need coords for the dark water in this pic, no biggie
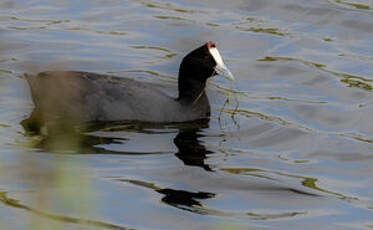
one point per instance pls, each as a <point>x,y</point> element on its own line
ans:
<point>297,154</point>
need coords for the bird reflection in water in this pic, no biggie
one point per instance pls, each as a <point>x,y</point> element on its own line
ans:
<point>190,151</point>
<point>64,137</point>
<point>181,199</point>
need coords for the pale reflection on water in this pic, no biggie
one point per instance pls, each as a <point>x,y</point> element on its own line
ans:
<point>297,154</point>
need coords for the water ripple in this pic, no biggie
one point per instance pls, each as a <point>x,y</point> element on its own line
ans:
<point>308,182</point>
<point>189,201</point>
<point>4,199</point>
<point>360,82</point>
<point>351,4</point>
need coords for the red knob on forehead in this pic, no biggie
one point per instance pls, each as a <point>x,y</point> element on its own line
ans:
<point>210,44</point>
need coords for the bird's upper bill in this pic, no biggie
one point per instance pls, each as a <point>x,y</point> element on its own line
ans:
<point>220,67</point>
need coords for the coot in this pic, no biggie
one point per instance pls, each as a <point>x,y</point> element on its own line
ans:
<point>87,97</point>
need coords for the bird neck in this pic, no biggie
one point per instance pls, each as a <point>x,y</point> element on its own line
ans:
<point>190,90</point>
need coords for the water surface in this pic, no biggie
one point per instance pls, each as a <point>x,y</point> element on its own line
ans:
<point>297,153</point>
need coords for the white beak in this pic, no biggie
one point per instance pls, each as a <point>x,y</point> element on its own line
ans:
<point>220,67</point>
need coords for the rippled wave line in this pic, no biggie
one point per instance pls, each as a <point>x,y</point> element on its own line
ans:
<point>172,18</point>
<point>365,104</point>
<point>5,71</point>
<point>2,60</point>
<point>224,90</point>
<point>191,204</point>
<point>268,30</point>
<point>166,6</point>
<point>281,121</point>
<point>284,158</point>
<point>308,182</point>
<point>47,21</point>
<point>43,23</point>
<point>169,54</point>
<point>355,56</point>
<point>349,4</point>
<point>350,79</point>
<point>66,219</point>
<point>97,31</point>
